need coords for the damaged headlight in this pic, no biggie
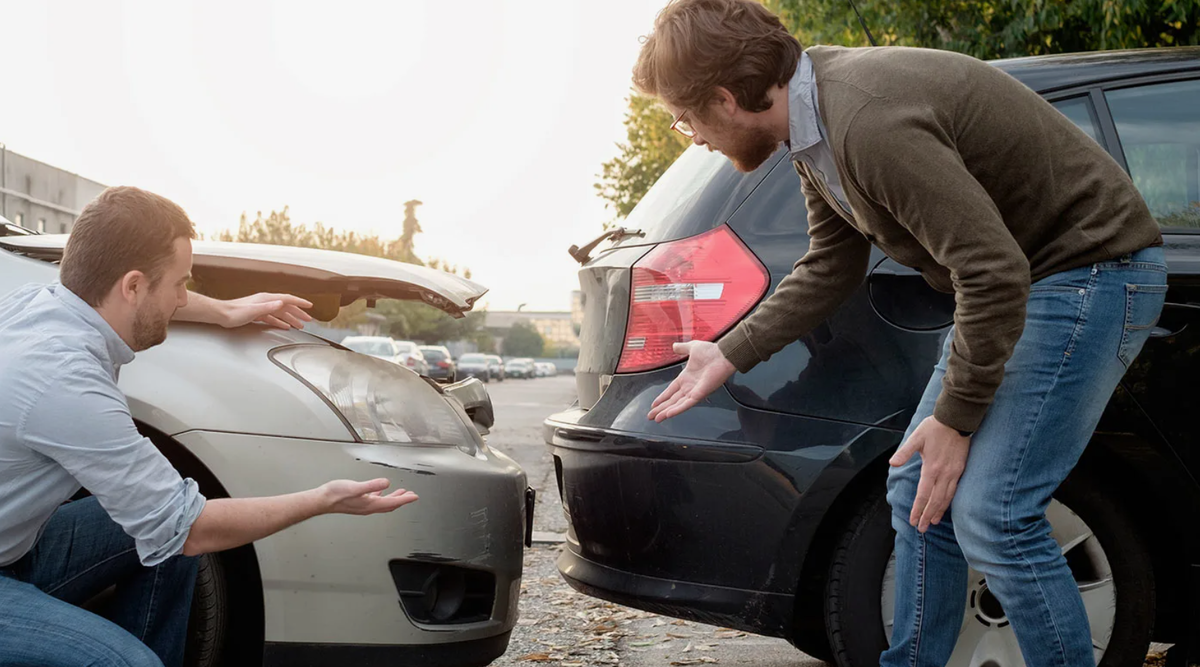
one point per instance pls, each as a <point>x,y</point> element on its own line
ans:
<point>379,400</point>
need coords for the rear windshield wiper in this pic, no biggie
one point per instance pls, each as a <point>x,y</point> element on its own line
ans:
<point>584,255</point>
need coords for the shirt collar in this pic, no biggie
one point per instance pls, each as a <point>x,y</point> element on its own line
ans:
<point>803,122</point>
<point>119,352</point>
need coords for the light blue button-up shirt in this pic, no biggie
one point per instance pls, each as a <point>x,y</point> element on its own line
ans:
<point>808,140</point>
<point>64,423</point>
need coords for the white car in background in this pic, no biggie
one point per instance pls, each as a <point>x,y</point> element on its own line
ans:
<point>256,411</point>
<point>412,357</point>
<point>546,369</point>
<point>403,352</point>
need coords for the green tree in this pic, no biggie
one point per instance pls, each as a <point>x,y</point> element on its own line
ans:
<point>996,28</point>
<point>650,148</point>
<point>981,28</point>
<point>523,340</point>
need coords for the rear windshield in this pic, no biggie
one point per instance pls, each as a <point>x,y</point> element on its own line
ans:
<point>473,359</point>
<point>405,348</point>
<point>372,347</point>
<point>433,354</point>
<point>698,192</point>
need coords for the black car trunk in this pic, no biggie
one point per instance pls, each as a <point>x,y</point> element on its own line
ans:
<point>698,193</point>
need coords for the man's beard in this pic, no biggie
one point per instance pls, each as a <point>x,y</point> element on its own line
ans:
<point>749,147</point>
<point>149,328</point>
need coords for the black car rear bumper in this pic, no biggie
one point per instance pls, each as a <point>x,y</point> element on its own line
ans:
<point>753,611</point>
<point>692,517</point>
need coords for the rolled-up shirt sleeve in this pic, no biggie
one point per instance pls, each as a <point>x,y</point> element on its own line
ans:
<point>82,421</point>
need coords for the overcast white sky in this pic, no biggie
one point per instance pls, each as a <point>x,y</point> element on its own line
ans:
<point>495,113</point>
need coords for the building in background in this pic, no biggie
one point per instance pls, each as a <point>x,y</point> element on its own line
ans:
<point>556,327</point>
<point>40,197</point>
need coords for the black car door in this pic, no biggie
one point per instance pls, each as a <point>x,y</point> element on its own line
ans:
<point>1157,126</point>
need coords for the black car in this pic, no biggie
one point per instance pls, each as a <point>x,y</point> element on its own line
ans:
<point>762,508</point>
<point>441,363</point>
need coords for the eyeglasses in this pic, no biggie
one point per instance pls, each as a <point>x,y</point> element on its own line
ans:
<point>682,126</point>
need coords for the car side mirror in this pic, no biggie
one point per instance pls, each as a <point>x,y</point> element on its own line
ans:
<point>475,401</point>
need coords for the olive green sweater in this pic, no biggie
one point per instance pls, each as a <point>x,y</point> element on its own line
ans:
<point>956,169</point>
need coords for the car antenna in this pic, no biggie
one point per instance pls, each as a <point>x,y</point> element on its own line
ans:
<point>870,37</point>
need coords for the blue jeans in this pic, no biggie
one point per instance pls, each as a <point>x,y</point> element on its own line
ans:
<point>1082,330</point>
<point>82,553</point>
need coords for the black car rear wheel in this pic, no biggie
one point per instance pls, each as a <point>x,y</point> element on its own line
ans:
<point>1102,546</point>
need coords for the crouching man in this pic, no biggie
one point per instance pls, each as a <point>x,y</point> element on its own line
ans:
<point>65,424</point>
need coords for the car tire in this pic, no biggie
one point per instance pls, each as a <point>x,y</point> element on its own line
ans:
<point>853,606</point>
<point>210,614</point>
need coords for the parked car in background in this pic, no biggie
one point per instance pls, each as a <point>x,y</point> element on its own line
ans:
<point>519,368</point>
<point>496,366</point>
<point>404,353</point>
<point>411,357</point>
<point>546,369</point>
<point>258,411</point>
<point>474,365</point>
<point>763,508</point>
<point>441,363</point>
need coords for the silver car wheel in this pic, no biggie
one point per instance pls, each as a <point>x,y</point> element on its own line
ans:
<point>986,638</point>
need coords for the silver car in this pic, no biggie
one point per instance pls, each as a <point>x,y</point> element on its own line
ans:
<point>403,352</point>
<point>411,356</point>
<point>257,411</point>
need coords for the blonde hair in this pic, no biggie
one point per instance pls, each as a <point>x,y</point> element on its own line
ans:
<point>699,45</point>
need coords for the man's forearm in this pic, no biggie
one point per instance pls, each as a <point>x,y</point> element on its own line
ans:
<point>203,309</point>
<point>226,523</point>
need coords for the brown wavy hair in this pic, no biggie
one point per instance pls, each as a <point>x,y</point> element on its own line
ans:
<point>124,229</point>
<point>698,45</point>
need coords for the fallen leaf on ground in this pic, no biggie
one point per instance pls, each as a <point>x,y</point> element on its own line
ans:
<point>535,657</point>
<point>604,626</point>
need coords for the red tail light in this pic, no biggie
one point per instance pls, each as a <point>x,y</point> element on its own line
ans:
<point>693,289</point>
<point>411,361</point>
<point>443,364</point>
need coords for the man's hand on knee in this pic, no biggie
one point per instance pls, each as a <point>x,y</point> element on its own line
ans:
<point>943,458</point>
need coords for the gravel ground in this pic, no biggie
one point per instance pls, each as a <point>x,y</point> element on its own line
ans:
<point>559,626</point>
<point>562,628</point>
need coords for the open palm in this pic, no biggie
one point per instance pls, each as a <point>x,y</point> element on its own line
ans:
<point>707,368</point>
<point>362,498</point>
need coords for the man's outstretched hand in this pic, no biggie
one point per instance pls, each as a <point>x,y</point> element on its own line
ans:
<point>362,498</point>
<point>707,368</point>
<point>283,311</point>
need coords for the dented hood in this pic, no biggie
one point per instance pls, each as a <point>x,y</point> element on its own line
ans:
<point>328,278</point>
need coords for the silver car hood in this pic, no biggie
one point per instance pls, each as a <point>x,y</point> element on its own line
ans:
<point>328,278</point>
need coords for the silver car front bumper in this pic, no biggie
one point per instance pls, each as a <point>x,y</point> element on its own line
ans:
<point>336,580</point>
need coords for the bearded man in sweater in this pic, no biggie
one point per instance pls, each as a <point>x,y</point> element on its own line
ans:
<point>954,168</point>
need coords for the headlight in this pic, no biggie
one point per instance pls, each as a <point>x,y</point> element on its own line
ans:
<point>379,400</point>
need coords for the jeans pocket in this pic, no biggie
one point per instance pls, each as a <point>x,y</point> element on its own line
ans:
<point>1143,306</point>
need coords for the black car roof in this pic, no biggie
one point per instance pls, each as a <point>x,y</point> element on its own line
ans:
<point>1069,70</point>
